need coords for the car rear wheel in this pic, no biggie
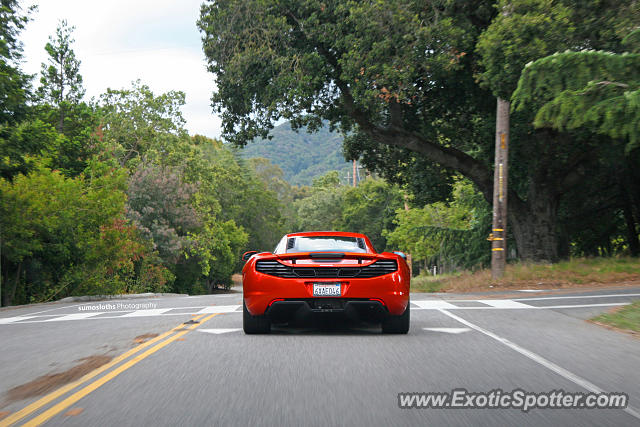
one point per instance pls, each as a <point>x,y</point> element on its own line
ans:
<point>397,324</point>
<point>254,324</point>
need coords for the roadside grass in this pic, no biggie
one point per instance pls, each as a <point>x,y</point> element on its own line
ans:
<point>627,317</point>
<point>573,273</point>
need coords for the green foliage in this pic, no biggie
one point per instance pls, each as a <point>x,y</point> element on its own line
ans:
<point>14,84</point>
<point>276,60</point>
<point>133,119</point>
<point>522,31</point>
<point>67,234</point>
<point>598,90</point>
<point>132,205</point>
<point>412,88</point>
<point>115,196</point>
<point>370,208</point>
<point>451,233</point>
<point>240,195</point>
<point>322,209</point>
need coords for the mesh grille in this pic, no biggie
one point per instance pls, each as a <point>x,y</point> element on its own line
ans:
<point>378,268</point>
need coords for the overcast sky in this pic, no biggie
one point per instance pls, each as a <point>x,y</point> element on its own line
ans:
<point>119,41</point>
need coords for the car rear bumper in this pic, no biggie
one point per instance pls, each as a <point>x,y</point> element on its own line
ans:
<point>265,294</point>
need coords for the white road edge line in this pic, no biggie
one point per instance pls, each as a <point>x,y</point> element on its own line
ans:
<point>540,360</point>
<point>523,307</point>
<point>587,305</point>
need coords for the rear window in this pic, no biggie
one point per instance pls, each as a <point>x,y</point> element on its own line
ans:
<point>326,243</point>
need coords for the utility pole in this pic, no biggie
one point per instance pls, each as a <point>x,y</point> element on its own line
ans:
<point>498,237</point>
<point>409,259</point>
<point>1,265</point>
<point>355,171</point>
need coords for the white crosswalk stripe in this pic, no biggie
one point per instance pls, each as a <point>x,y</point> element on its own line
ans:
<point>8,320</point>
<point>218,309</point>
<point>75,316</point>
<point>427,304</point>
<point>149,312</point>
<point>504,303</point>
<point>434,304</point>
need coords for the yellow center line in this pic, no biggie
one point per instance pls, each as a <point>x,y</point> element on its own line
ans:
<point>49,413</point>
<point>65,389</point>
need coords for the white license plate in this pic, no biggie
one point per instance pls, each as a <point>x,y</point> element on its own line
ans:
<point>326,290</point>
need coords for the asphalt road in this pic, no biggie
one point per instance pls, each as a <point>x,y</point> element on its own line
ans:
<point>210,373</point>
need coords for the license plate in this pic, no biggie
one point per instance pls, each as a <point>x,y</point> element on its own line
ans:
<point>326,290</point>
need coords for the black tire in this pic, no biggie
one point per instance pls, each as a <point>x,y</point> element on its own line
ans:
<point>254,324</point>
<point>397,324</point>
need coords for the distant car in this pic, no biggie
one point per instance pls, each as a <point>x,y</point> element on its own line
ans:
<point>325,274</point>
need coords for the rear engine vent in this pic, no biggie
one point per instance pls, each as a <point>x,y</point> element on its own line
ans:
<point>361,244</point>
<point>378,268</point>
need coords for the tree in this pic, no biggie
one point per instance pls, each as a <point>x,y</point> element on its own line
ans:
<point>594,89</point>
<point>322,209</point>
<point>15,88</point>
<point>63,235</point>
<point>556,162</point>
<point>134,119</point>
<point>402,74</point>
<point>14,84</point>
<point>159,204</point>
<point>370,208</point>
<point>183,223</point>
<point>390,71</point>
<point>450,235</point>
<point>60,81</point>
<point>598,91</point>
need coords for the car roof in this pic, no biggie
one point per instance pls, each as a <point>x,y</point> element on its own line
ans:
<point>326,233</point>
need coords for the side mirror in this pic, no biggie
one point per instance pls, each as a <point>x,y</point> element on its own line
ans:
<point>247,255</point>
<point>402,254</point>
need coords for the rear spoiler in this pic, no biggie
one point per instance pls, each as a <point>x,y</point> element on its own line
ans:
<point>327,255</point>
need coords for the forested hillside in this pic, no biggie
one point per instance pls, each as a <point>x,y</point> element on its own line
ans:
<point>302,156</point>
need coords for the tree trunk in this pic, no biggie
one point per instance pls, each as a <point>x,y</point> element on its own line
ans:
<point>61,121</point>
<point>9,294</point>
<point>534,225</point>
<point>632,233</point>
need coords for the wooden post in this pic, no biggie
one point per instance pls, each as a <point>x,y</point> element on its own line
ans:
<point>354,173</point>
<point>499,233</point>
<point>409,259</point>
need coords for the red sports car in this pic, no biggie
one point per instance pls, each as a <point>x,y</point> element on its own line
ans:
<point>325,273</point>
